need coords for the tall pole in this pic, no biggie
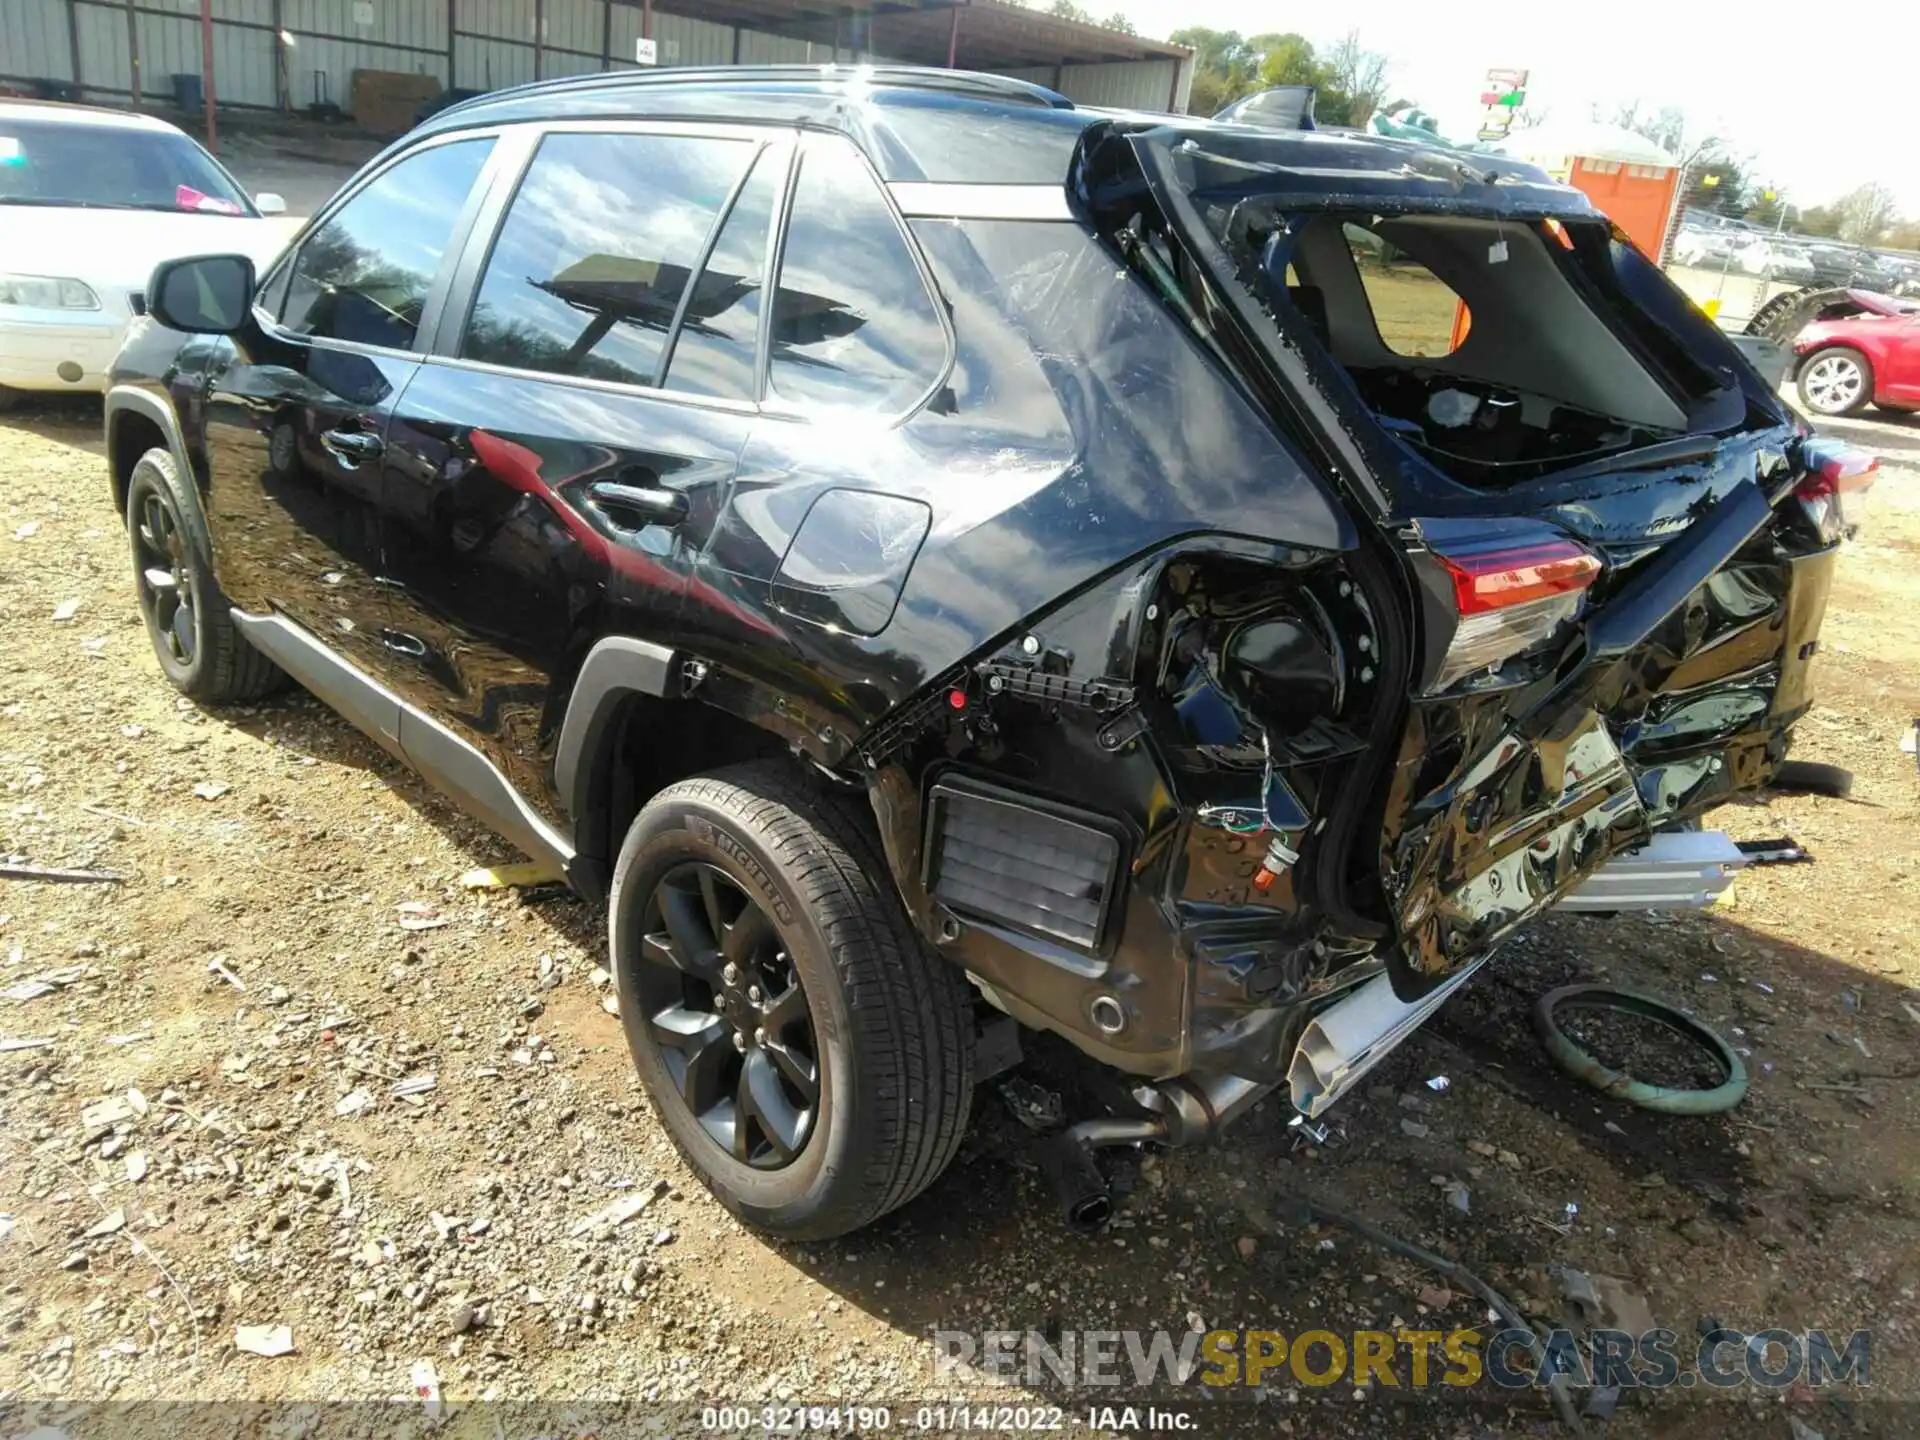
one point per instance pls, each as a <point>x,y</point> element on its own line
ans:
<point>206,72</point>
<point>133,53</point>
<point>953,37</point>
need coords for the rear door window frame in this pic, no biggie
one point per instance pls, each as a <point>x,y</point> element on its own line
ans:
<point>490,220</point>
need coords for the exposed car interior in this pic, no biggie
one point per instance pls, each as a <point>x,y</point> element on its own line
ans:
<point>1468,341</point>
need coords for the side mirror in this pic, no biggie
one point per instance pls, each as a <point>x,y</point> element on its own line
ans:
<point>202,294</point>
<point>268,203</point>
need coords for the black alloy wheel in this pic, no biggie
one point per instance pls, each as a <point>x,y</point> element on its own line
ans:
<point>163,578</point>
<point>723,1001</point>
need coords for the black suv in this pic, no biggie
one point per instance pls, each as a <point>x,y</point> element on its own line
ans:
<point>924,554</point>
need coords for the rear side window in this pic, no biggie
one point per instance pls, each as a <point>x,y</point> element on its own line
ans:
<point>853,324</point>
<point>1413,310</point>
<point>715,350</point>
<point>594,256</point>
<point>364,275</point>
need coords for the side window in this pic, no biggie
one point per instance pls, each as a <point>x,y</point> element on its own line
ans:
<point>714,351</point>
<point>853,324</point>
<point>364,275</point>
<point>1415,312</point>
<point>596,251</point>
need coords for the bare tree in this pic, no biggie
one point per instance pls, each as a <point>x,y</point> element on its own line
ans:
<point>1360,74</point>
<point>1865,212</point>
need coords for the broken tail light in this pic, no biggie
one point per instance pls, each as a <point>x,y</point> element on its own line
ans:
<point>1511,598</point>
<point>1834,472</point>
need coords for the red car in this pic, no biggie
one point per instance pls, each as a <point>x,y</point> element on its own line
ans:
<point>1872,353</point>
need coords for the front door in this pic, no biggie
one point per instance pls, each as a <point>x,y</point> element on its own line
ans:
<point>555,471</point>
<point>297,404</point>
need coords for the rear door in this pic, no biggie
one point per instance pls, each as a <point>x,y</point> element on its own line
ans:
<point>297,404</point>
<point>556,465</point>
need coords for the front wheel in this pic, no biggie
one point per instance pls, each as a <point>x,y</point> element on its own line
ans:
<point>1836,381</point>
<point>200,649</point>
<point>808,1054</point>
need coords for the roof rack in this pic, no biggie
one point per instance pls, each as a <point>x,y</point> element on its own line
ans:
<point>907,77</point>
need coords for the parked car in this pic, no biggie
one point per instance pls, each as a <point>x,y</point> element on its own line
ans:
<point>1699,245</point>
<point>70,274</point>
<point>1777,259</point>
<point>935,560</point>
<point>1864,351</point>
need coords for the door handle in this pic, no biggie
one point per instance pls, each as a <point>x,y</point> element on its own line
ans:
<point>654,505</point>
<point>350,447</point>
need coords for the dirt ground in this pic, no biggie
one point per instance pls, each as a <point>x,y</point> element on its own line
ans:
<point>243,1007</point>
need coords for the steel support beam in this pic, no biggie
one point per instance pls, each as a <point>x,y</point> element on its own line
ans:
<point>206,74</point>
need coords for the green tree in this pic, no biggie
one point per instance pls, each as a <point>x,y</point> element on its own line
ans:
<point>1067,10</point>
<point>1118,21</point>
<point>1821,220</point>
<point>1225,67</point>
<point>1866,212</point>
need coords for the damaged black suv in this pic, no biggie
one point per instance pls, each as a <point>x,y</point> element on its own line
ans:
<point>924,554</point>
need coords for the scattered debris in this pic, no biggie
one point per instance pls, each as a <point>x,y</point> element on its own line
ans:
<point>419,915</point>
<point>268,1340</point>
<point>54,875</point>
<point>211,789</point>
<point>1438,1084</point>
<point>1246,1245</point>
<point>65,611</point>
<point>353,1102</point>
<point>27,531</point>
<point>136,1165</point>
<point>1458,1196</point>
<point>413,1086</point>
<point>504,877</point>
<point>102,1113</point>
<point>40,1042</point>
<point>218,966</point>
<point>1413,1128</point>
<point>1434,1297</point>
<point>112,1223</point>
<point>426,1387</point>
<point>609,1217</point>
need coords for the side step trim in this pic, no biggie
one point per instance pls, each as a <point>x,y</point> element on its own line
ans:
<point>408,733</point>
<point>1675,870</point>
<point>1348,1038</point>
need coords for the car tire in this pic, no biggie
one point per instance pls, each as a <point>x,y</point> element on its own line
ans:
<point>888,1025</point>
<point>1837,380</point>
<point>200,650</point>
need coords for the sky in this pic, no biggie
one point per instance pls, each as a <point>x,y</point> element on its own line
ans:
<point>1816,135</point>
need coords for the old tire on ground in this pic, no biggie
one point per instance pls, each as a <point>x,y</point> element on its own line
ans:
<point>201,651</point>
<point>1813,777</point>
<point>809,1055</point>
<point>1836,381</point>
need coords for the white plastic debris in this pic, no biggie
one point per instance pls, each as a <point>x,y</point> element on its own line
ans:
<point>268,1340</point>
<point>353,1102</point>
<point>419,915</point>
<point>65,611</point>
<point>619,1211</point>
<point>218,966</point>
<point>1438,1084</point>
<point>414,1085</point>
<point>112,1223</point>
<point>211,789</point>
<point>426,1387</point>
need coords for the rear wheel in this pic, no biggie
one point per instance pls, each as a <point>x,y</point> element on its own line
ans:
<point>1836,381</point>
<point>201,651</point>
<point>809,1055</point>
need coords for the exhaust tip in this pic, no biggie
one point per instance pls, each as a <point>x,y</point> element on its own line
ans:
<point>1089,1212</point>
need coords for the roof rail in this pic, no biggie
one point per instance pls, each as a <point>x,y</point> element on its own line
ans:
<point>909,77</point>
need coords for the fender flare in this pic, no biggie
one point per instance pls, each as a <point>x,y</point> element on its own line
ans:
<point>617,667</point>
<point>123,398</point>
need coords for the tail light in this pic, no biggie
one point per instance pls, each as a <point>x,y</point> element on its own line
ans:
<point>1834,472</point>
<point>1511,598</point>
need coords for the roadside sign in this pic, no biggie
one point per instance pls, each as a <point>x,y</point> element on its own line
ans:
<point>646,52</point>
<point>1503,93</point>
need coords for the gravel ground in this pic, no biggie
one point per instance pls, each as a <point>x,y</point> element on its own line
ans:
<point>298,1076</point>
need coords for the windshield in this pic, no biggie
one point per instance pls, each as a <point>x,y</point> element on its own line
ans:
<point>47,162</point>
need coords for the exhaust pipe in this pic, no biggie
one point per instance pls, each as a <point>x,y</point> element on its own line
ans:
<point>1350,1037</point>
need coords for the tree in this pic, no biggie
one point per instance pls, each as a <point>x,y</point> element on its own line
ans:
<point>1225,67</point>
<point>1118,21</point>
<point>1865,212</point>
<point>1360,74</point>
<point>1067,10</point>
<point>1818,220</point>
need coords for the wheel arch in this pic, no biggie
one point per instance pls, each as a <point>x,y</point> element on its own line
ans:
<point>634,726</point>
<point>136,422</point>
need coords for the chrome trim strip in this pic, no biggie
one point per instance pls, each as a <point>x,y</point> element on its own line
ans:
<point>441,757</point>
<point>928,200</point>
